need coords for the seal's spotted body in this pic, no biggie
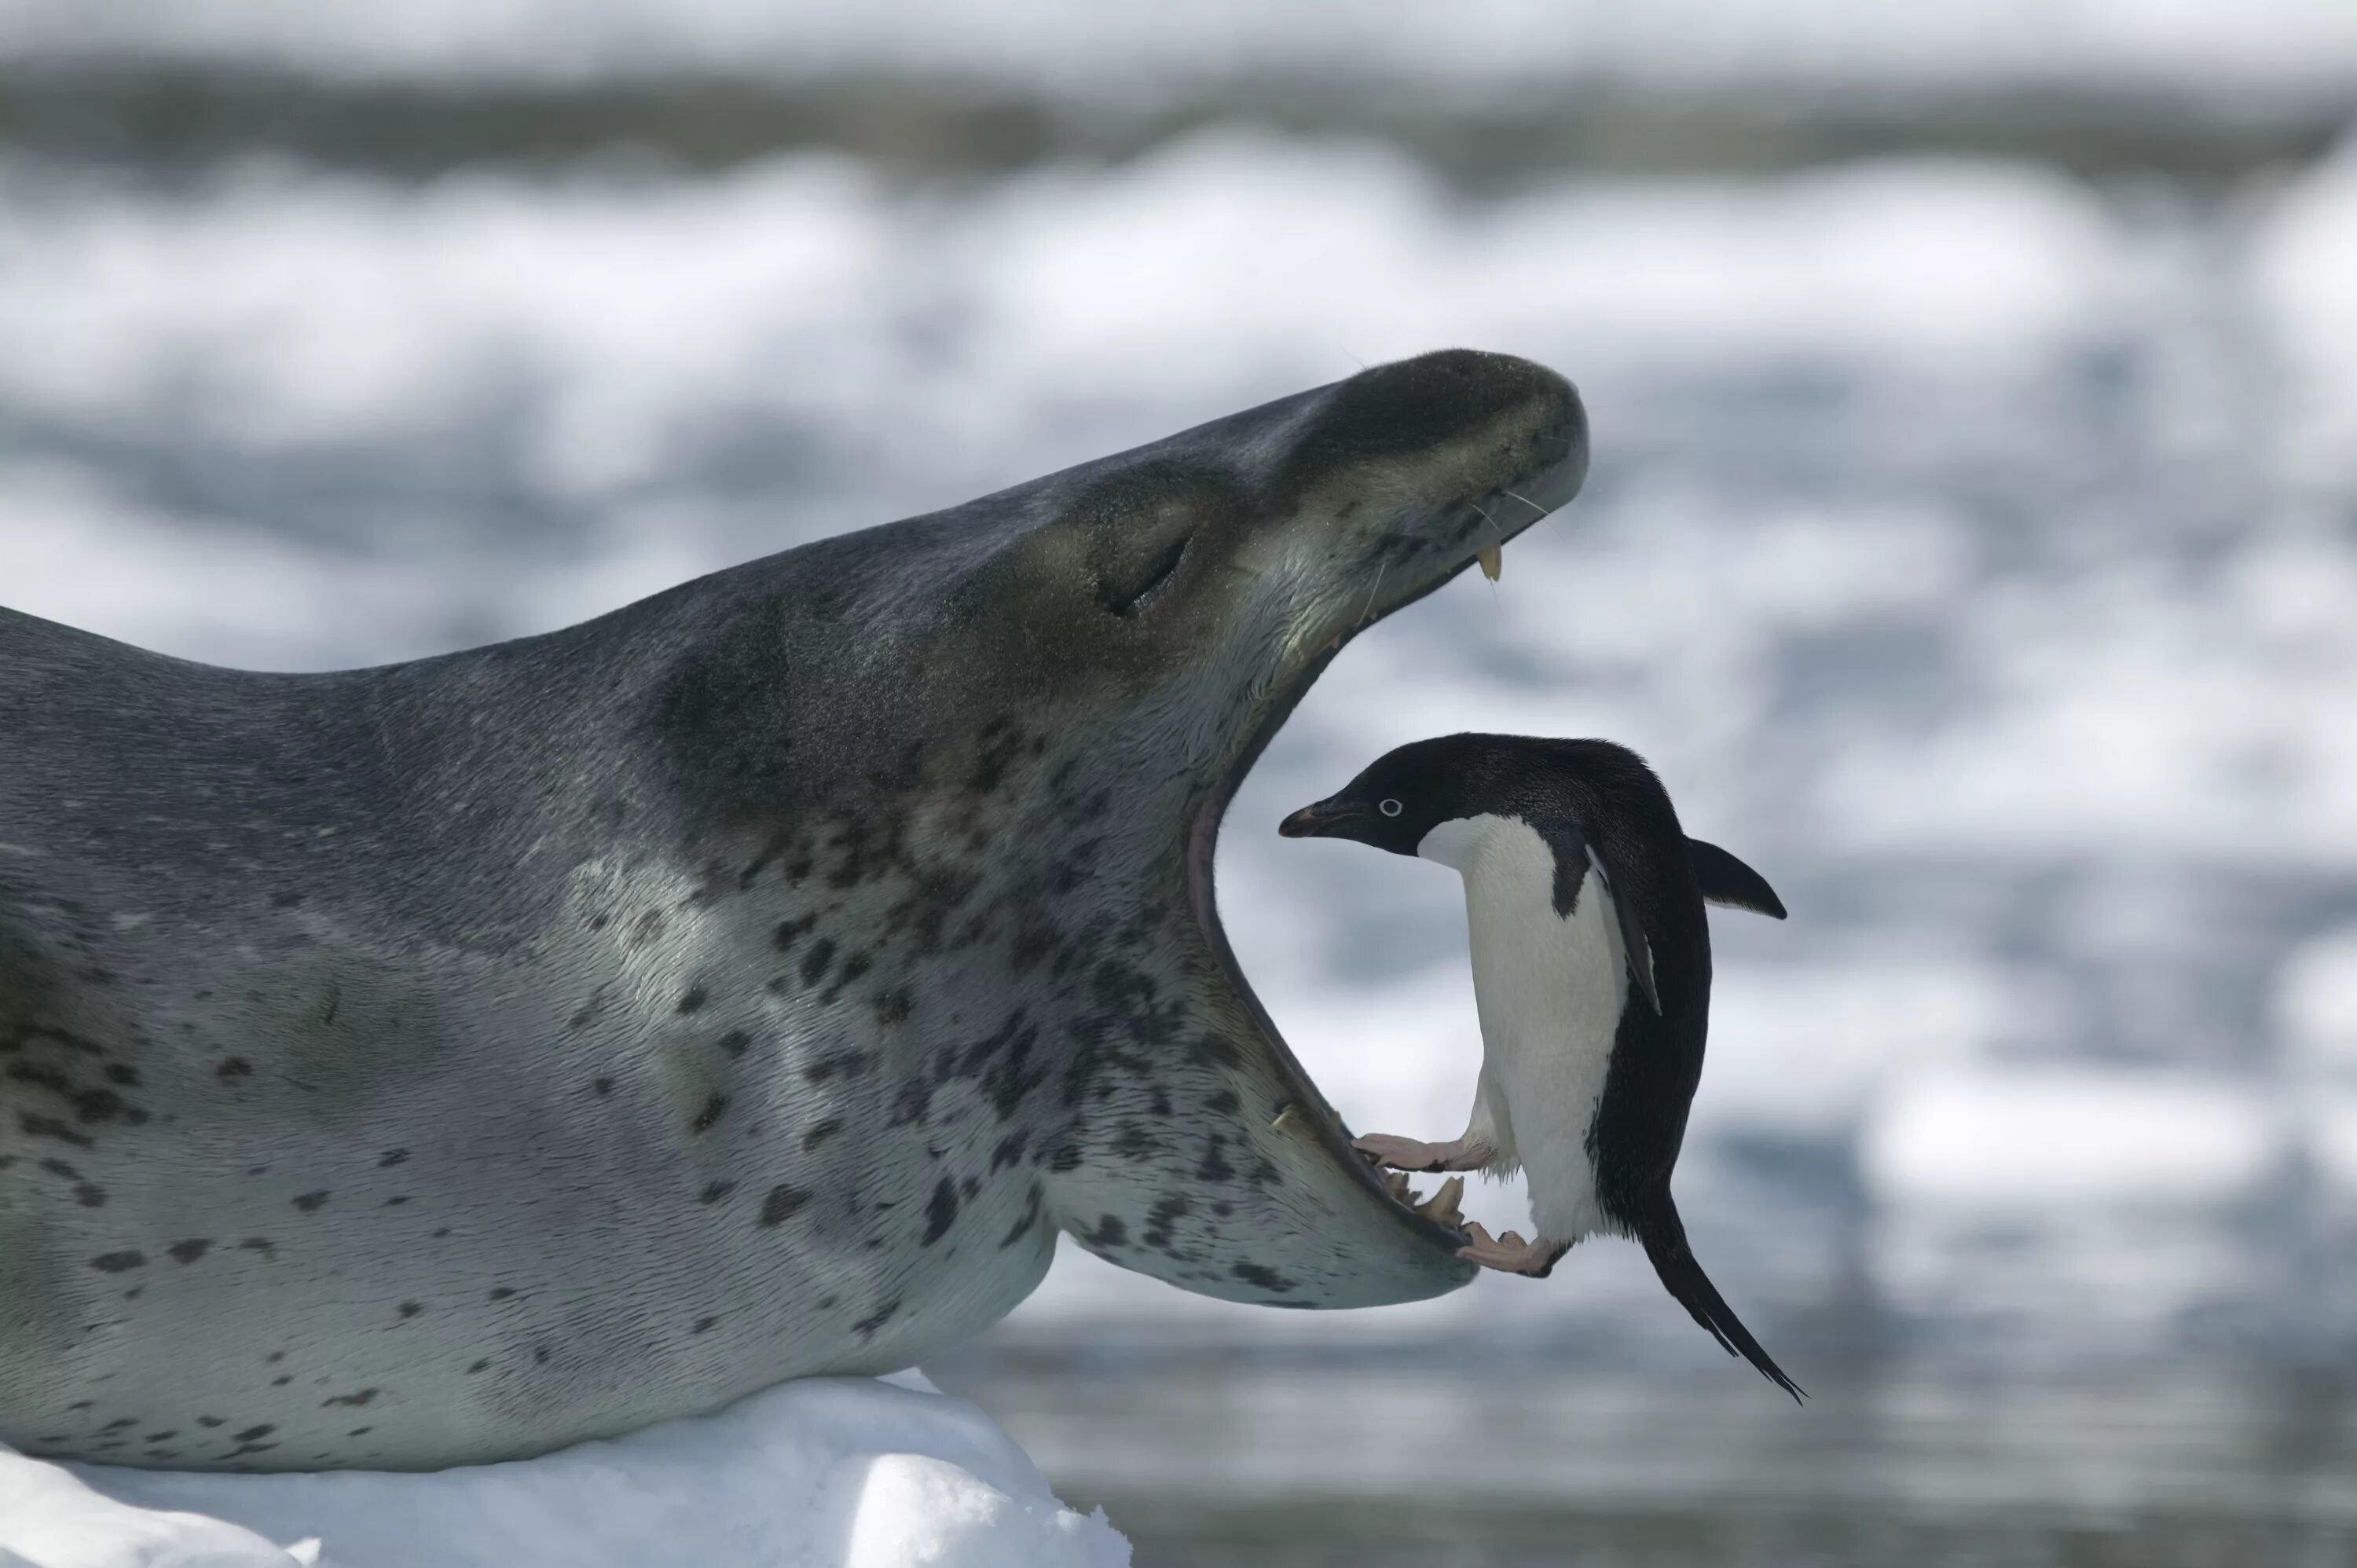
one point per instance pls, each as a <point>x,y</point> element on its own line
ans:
<point>447,1061</point>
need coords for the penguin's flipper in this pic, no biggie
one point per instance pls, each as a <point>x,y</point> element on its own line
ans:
<point>1632,935</point>
<point>1727,880</point>
<point>1665,1240</point>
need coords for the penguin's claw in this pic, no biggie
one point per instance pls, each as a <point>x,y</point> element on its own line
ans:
<point>1509,1254</point>
<point>1414,1154</point>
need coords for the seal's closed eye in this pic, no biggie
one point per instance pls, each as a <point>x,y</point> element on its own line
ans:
<point>1128,598</point>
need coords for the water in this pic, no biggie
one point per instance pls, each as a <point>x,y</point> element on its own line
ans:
<point>1972,543</point>
<point>1399,1464</point>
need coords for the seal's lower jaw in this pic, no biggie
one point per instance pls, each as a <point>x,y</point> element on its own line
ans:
<point>1473,526</point>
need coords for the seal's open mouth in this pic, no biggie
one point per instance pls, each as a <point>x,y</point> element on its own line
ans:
<point>1475,528</point>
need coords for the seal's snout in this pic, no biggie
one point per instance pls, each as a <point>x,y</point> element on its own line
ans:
<point>1452,396</point>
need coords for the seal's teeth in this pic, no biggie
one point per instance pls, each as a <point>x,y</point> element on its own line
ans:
<point>1397,1182</point>
<point>1493,560</point>
<point>1441,1208</point>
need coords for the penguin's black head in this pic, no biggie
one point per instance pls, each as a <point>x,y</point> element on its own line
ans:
<point>1403,795</point>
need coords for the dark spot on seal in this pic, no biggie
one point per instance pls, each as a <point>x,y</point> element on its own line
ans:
<point>540,1356</point>
<point>395,1202</point>
<point>263,1245</point>
<point>1215,1167</point>
<point>37,1126</point>
<point>716,1191</point>
<point>500,1293</point>
<point>209,1421</point>
<point>234,1067</point>
<point>444,1231</point>
<point>821,1132</point>
<point>791,931</point>
<point>309,1201</point>
<point>391,1159</point>
<point>782,1205</point>
<point>1266,1279</point>
<point>855,966</point>
<point>90,1195</point>
<point>1022,1226</point>
<point>281,1381</point>
<point>696,998</point>
<point>360,1432</point>
<point>1009,1150</point>
<point>1165,1214</point>
<point>891,1007</point>
<point>251,1434</point>
<point>602,1085</point>
<point>479,1367</point>
<point>57,1168</point>
<point>117,1073</point>
<point>709,1116</point>
<point>914,1102</point>
<point>116,1263</point>
<point>119,1426</point>
<point>850,1064</point>
<point>1110,1231</point>
<point>883,1315</point>
<point>703,1325</point>
<point>411,1308</point>
<point>814,965</point>
<point>161,1436</point>
<point>189,1251</point>
<point>352,1402</point>
<point>286,901</point>
<point>1224,1103</point>
<point>941,1212</point>
<point>735,1042</point>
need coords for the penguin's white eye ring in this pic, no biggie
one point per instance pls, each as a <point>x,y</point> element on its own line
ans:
<point>1388,808</point>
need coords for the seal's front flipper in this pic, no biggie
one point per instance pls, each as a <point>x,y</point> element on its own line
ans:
<point>1727,880</point>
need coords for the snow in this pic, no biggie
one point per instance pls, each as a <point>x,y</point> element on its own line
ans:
<point>1098,51</point>
<point>2315,1004</point>
<point>2300,268</point>
<point>826,1473</point>
<point>2081,1138</point>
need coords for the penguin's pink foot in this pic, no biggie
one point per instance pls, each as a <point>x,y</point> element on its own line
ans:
<point>1408,1155</point>
<point>1509,1254</point>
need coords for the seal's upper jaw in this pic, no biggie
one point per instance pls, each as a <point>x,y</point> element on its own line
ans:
<point>1452,452</point>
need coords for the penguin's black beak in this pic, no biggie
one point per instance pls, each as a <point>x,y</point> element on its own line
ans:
<point>1322,819</point>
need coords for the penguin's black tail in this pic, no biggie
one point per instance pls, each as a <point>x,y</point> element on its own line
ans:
<point>1665,1240</point>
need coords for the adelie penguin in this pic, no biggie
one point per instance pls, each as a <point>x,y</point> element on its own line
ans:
<point>1591,972</point>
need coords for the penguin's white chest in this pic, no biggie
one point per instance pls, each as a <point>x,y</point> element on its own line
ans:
<point>1549,988</point>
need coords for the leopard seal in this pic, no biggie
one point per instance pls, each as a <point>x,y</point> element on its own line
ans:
<point>448,1061</point>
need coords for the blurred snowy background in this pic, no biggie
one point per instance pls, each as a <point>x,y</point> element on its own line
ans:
<point>1971,543</point>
